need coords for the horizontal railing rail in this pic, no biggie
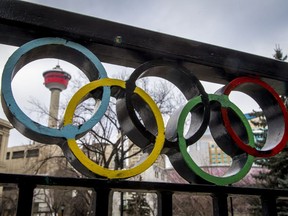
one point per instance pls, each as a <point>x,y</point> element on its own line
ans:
<point>164,191</point>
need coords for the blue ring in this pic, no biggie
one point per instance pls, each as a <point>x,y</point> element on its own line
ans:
<point>21,121</point>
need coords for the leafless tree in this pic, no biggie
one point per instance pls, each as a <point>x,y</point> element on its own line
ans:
<point>9,200</point>
<point>185,204</point>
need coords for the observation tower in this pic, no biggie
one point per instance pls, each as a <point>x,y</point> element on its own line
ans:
<point>56,80</point>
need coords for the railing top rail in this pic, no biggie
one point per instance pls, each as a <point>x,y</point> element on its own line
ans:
<point>124,185</point>
<point>129,46</point>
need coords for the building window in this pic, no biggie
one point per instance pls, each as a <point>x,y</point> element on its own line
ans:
<point>156,174</point>
<point>35,207</point>
<point>18,154</point>
<point>198,146</point>
<point>7,155</point>
<point>32,153</point>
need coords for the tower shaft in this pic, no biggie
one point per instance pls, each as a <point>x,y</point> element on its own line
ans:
<point>54,108</point>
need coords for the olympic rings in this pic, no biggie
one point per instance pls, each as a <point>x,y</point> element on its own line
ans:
<point>58,48</point>
<point>90,165</point>
<point>228,125</point>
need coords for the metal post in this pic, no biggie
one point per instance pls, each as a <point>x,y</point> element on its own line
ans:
<point>268,205</point>
<point>165,203</point>
<point>231,206</point>
<point>121,203</point>
<point>220,206</point>
<point>103,202</point>
<point>25,199</point>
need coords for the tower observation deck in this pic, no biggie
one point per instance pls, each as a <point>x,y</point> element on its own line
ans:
<point>56,80</point>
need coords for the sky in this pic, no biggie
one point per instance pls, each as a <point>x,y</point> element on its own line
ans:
<point>250,26</point>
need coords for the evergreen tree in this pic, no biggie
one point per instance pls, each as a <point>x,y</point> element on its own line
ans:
<point>138,205</point>
<point>278,55</point>
<point>260,124</point>
<point>275,169</point>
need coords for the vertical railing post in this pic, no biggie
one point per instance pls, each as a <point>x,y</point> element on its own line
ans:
<point>220,206</point>
<point>268,205</point>
<point>25,199</point>
<point>165,203</point>
<point>103,197</point>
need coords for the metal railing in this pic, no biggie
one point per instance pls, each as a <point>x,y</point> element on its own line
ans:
<point>103,188</point>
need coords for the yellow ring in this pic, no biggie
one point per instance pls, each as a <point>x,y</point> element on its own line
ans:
<point>91,165</point>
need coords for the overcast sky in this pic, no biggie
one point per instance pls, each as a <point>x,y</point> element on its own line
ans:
<point>249,26</point>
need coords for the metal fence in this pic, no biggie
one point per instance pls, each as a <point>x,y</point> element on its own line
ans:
<point>164,191</point>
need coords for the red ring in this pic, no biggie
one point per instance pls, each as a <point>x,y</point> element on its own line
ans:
<point>245,147</point>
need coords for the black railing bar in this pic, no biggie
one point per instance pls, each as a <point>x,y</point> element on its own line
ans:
<point>165,203</point>
<point>25,198</point>
<point>126,185</point>
<point>103,200</point>
<point>220,204</point>
<point>269,206</point>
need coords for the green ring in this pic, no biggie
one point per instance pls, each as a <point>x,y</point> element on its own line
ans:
<point>218,180</point>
